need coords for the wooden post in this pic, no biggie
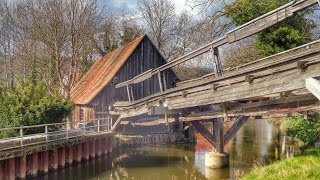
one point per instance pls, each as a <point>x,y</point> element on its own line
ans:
<point>217,65</point>
<point>2,170</point>
<point>86,150</point>
<point>98,143</point>
<point>92,149</point>
<point>218,131</point>
<point>21,137</point>
<point>62,157</point>
<point>128,91</point>
<point>79,153</point>
<point>69,158</point>
<point>160,82</point>
<point>11,169</point>
<point>106,145</point>
<point>44,162</point>
<point>34,165</point>
<point>55,159</point>
<point>22,167</point>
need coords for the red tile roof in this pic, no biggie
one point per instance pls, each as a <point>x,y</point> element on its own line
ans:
<point>102,72</point>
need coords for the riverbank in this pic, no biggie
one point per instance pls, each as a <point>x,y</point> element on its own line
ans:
<point>303,166</point>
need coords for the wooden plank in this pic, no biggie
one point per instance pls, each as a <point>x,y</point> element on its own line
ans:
<point>235,128</point>
<point>292,80</point>
<point>204,132</point>
<point>271,110</point>
<point>313,85</point>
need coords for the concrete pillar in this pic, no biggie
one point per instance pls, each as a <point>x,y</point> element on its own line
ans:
<point>34,164</point>
<point>69,158</point>
<point>11,169</point>
<point>93,149</point>
<point>22,169</point>
<point>86,150</point>
<point>44,168</point>
<point>216,160</point>
<point>62,157</point>
<point>55,159</point>
<point>79,153</point>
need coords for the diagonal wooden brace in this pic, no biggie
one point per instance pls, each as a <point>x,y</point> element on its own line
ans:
<point>235,128</point>
<point>204,132</point>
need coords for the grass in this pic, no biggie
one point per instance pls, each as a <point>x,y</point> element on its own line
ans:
<point>304,166</point>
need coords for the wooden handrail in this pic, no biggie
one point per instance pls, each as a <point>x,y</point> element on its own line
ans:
<point>248,29</point>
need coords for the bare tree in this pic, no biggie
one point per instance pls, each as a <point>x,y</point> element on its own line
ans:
<point>159,17</point>
<point>62,31</point>
<point>119,28</point>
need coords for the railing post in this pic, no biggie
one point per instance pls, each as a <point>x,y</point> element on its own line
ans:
<point>21,137</point>
<point>67,129</point>
<point>84,127</point>
<point>46,132</point>
<point>98,125</point>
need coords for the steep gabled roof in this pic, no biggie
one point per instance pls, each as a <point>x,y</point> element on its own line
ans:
<point>102,72</point>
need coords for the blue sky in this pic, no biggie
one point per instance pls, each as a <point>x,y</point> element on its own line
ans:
<point>132,4</point>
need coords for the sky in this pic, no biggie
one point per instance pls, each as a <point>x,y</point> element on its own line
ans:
<point>132,4</point>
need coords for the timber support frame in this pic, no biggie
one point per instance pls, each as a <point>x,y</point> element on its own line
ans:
<point>218,138</point>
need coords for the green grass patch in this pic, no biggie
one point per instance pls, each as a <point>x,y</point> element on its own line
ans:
<point>304,166</point>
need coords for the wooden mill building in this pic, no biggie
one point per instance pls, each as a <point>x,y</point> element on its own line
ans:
<point>96,92</point>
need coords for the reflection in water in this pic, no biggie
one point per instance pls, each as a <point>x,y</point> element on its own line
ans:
<point>257,143</point>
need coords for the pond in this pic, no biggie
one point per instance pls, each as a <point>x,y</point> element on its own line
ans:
<point>257,143</point>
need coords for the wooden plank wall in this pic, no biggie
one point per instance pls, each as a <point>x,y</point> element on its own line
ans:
<point>145,57</point>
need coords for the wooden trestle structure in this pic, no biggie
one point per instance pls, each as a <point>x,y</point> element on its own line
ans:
<point>283,84</point>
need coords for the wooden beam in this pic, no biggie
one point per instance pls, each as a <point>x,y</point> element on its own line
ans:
<point>313,85</point>
<point>272,66</point>
<point>128,92</point>
<point>116,124</point>
<point>204,132</point>
<point>235,128</point>
<point>218,131</point>
<point>141,77</point>
<point>160,82</point>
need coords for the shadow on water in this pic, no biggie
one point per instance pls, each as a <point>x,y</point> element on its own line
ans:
<point>257,143</point>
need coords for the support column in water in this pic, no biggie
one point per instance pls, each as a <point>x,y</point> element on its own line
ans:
<point>217,158</point>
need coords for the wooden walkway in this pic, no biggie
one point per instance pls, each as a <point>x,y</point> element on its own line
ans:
<point>282,84</point>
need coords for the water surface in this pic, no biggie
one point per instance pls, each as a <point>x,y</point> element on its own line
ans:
<point>257,143</point>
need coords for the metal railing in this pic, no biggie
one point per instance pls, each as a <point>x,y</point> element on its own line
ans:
<point>24,136</point>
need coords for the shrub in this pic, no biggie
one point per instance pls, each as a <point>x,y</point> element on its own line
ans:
<point>305,130</point>
<point>30,104</point>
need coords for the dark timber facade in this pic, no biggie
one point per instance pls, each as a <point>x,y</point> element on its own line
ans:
<point>96,92</point>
